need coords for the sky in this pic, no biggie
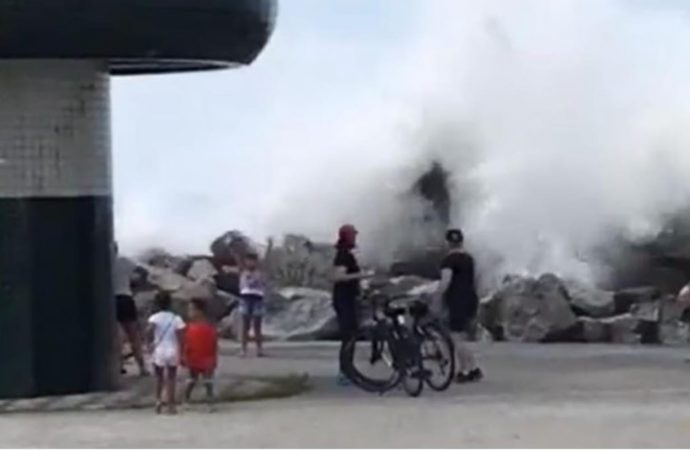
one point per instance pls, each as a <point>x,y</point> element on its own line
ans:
<point>198,154</point>
<point>561,122</point>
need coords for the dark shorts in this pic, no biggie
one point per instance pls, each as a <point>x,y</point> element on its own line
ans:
<point>462,314</point>
<point>125,309</point>
<point>252,306</point>
<point>461,323</point>
<point>346,313</point>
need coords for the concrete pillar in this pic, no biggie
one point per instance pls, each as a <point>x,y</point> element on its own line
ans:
<point>56,306</point>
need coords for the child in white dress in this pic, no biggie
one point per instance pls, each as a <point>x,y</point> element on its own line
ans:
<point>165,332</point>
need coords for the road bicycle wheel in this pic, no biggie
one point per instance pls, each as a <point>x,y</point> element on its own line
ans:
<point>367,361</point>
<point>438,355</point>
<point>413,370</point>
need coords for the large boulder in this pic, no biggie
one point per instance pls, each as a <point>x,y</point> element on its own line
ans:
<point>673,329</point>
<point>182,290</point>
<point>229,247</point>
<point>159,257</point>
<point>529,309</point>
<point>589,301</point>
<point>594,330</point>
<point>624,299</point>
<point>300,262</point>
<point>647,322</point>
<point>201,269</point>
<point>292,314</point>
<point>624,328</point>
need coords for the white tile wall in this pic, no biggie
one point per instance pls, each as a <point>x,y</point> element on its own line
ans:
<point>54,129</point>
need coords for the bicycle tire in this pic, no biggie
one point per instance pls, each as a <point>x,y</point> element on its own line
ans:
<point>437,339</point>
<point>375,346</point>
<point>413,374</point>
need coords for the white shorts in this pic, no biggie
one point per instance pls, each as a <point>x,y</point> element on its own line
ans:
<point>166,357</point>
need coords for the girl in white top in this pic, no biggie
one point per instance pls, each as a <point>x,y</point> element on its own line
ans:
<point>165,331</point>
<point>252,293</point>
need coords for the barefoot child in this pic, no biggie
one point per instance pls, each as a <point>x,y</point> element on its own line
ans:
<point>252,292</point>
<point>165,333</point>
<point>200,350</point>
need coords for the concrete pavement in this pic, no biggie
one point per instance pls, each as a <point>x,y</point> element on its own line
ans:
<point>534,395</point>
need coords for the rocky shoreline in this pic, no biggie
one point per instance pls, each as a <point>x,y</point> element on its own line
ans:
<point>522,309</point>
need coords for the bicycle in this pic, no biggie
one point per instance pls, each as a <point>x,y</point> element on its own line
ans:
<point>437,346</point>
<point>395,352</point>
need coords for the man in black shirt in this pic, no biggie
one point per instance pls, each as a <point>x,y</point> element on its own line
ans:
<point>346,279</point>
<point>458,293</point>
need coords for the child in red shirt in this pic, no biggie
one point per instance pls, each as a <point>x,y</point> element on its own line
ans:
<point>200,350</point>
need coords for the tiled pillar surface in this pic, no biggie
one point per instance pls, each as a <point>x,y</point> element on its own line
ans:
<point>56,307</point>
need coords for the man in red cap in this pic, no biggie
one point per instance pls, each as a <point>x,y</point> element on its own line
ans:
<point>346,286</point>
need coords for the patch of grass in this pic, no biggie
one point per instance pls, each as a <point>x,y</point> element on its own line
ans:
<point>273,387</point>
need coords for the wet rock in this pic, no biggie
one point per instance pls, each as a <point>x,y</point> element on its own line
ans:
<point>182,290</point>
<point>488,315</point>
<point>301,262</point>
<point>588,301</point>
<point>674,333</point>
<point>594,330</point>
<point>144,300</point>
<point>426,289</point>
<point>227,279</point>
<point>201,269</point>
<point>529,310</point>
<point>424,264</point>
<point>229,247</point>
<point>624,299</point>
<point>293,314</point>
<point>673,329</point>
<point>481,334</point>
<point>230,326</point>
<point>623,329</point>
<point>158,257</point>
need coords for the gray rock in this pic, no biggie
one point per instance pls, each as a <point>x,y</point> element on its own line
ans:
<point>159,257</point>
<point>303,320</point>
<point>646,312</point>
<point>588,300</point>
<point>676,333</point>
<point>297,293</point>
<point>144,300</point>
<point>230,326</point>
<point>488,315</point>
<point>623,328</point>
<point>301,262</point>
<point>408,283</point>
<point>293,314</point>
<point>201,269</point>
<point>230,246</point>
<point>481,334</point>
<point>594,330</point>
<point>672,329</point>
<point>624,299</point>
<point>426,289</point>
<point>530,310</point>
<point>182,290</point>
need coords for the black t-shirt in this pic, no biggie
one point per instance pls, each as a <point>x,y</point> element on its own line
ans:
<point>348,290</point>
<point>461,295</point>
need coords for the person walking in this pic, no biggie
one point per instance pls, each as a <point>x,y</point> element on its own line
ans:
<point>457,292</point>
<point>126,310</point>
<point>346,287</point>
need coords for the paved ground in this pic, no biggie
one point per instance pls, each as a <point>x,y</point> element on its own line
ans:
<point>555,395</point>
